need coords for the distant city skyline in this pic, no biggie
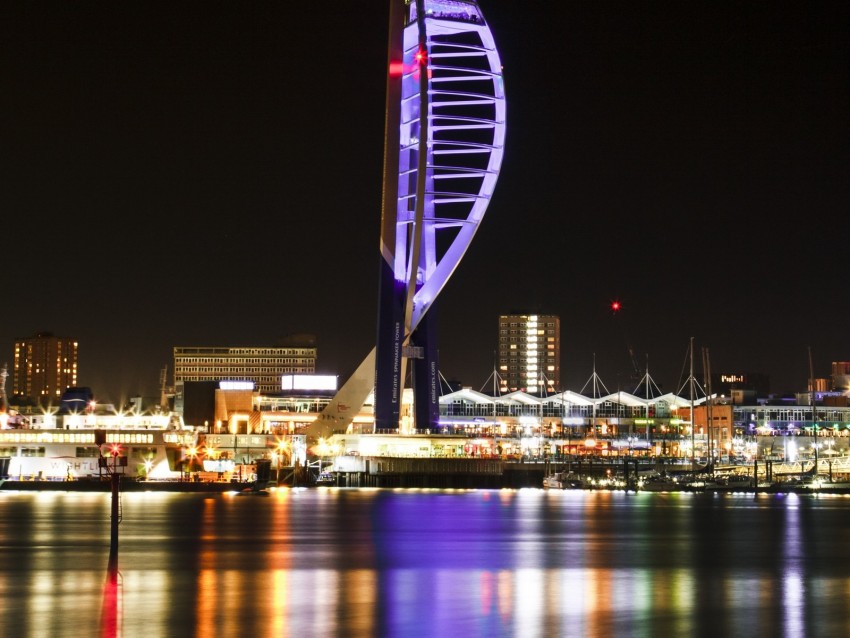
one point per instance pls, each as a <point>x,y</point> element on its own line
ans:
<point>626,381</point>
<point>176,178</point>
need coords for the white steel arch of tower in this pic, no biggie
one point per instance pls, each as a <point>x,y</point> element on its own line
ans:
<point>466,111</point>
<point>437,186</point>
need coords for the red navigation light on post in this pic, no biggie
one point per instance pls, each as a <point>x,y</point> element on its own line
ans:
<point>113,451</point>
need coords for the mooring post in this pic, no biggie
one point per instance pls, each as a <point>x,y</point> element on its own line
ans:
<point>116,512</point>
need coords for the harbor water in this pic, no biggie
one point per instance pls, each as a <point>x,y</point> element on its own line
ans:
<point>376,562</point>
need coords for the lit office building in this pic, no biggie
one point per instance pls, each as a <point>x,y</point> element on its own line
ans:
<point>529,353</point>
<point>264,366</point>
<point>45,366</point>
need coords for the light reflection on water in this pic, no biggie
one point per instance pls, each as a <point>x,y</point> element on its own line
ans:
<point>347,562</point>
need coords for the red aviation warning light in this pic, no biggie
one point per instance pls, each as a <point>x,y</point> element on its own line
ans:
<point>615,307</point>
<point>420,60</point>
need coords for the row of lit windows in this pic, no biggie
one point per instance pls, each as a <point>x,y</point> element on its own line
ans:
<point>549,368</point>
<point>90,452</point>
<point>181,371</point>
<point>216,374</point>
<point>535,331</point>
<point>259,380</point>
<point>239,371</point>
<point>290,358</point>
<point>34,436</point>
<point>220,365</point>
<point>522,353</point>
<point>548,324</point>
<point>129,437</point>
<point>244,352</point>
<point>797,414</point>
<point>529,355</point>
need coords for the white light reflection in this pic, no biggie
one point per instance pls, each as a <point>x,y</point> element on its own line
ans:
<point>529,602</point>
<point>792,598</point>
<point>793,554</point>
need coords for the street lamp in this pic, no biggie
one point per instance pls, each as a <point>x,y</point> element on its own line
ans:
<point>192,456</point>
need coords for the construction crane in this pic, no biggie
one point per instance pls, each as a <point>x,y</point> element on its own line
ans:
<point>163,387</point>
<point>4,400</point>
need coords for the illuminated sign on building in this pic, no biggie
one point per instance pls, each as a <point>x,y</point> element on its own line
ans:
<point>308,382</point>
<point>236,385</point>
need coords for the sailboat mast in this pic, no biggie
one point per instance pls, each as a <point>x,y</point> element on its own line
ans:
<point>495,382</point>
<point>691,385</point>
<point>812,404</point>
<point>593,425</point>
<point>646,396</point>
<point>706,367</point>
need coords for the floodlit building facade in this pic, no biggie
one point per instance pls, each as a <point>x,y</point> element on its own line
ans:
<point>264,366</point>
<point>841,376</point>
<point>45,366</point>
<point>529,355</point>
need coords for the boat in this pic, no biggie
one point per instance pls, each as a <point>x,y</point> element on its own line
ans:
<point>730,483</point>
<point>553,481</point>
<point>57,447</point>
<point>564,481</point>
<point>659,483</point>
<point>326,478</point>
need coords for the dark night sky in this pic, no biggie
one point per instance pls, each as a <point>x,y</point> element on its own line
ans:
<point>209,173</point>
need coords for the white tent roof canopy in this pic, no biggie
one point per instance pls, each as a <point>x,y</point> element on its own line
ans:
<point>568,398</point>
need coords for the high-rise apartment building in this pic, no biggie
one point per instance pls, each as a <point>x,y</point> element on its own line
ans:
<point>45,366</point>
<point>529,353</point>
<point>264,366</point>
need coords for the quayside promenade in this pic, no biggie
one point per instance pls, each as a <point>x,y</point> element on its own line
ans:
<point>455,460</point>
<point>472,460</point>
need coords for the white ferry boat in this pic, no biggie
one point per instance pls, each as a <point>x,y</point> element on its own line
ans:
<point>73,446</point>
<point>564,481</point>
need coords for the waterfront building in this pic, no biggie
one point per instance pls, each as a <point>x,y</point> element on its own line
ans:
<point>262,365</point>
<point>517,427</point>
<point>529,353</point>
<point>666,424</point>
<point>44,367</point>
<point>841,376</point>
<point>239,409</point>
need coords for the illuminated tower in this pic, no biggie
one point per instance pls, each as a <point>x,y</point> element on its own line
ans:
<point>444,140</point>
